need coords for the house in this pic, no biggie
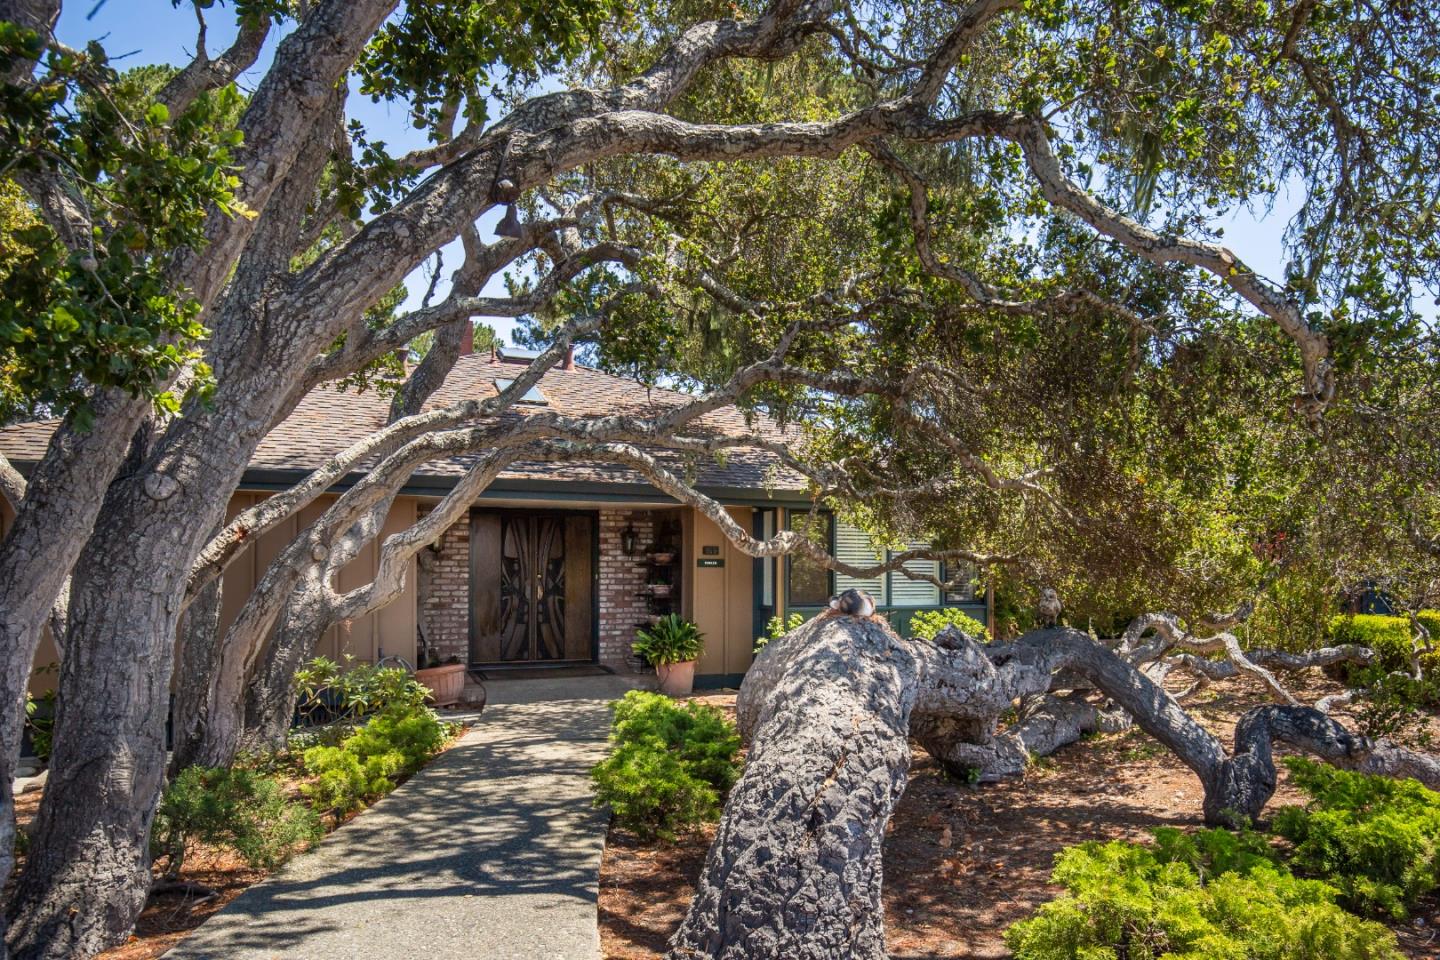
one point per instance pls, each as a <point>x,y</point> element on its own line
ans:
<point>558,563</point>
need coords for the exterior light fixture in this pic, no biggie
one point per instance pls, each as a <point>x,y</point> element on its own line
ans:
<point>627,541</point>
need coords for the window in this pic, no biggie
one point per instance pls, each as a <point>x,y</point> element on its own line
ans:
<point>533,395</point>
<point>809,582</point>
<point>966,588</point>
<point>905,592</point>
<point>853,546</point>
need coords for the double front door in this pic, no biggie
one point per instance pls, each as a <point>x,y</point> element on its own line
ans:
<point>532,586</point>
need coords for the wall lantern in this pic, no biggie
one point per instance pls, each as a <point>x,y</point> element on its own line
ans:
<point>627,541</point>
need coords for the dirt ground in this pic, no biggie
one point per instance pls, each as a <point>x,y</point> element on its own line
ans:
<point>964,862</point>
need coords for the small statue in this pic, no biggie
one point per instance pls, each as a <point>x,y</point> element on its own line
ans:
<point>854,603</point>
<point>1047,611</point>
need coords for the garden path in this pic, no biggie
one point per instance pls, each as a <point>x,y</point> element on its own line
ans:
<point>492,851</point>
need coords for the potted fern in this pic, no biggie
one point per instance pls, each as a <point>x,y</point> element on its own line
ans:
<point>672,646</point>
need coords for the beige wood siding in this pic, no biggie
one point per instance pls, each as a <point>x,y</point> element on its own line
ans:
<point>390,630</point>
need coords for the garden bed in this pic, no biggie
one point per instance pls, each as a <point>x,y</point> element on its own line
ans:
<point>169,917</point>
<point>962,863</point>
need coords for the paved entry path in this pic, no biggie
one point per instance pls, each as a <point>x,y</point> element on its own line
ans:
<point>492,852</point>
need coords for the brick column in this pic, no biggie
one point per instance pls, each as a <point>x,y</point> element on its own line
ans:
<point>622,607</point>
<point>445,605</point>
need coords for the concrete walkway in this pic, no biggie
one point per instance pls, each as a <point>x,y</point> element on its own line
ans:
<point>490,852</point>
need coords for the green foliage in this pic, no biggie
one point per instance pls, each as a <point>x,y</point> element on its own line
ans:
<point>777,627</point>
<point>927,624</point>
<point>672,639</point>
<point>363,766</point>
<point>670,765</point>
<point>1374,838</point>
<point>102,311</point>
<point>1392,638</point>
<point>1210,896</point>
<point>334,692</point>
<point>233,808</point>
<point>40,719</point>
<point>1391,691</point>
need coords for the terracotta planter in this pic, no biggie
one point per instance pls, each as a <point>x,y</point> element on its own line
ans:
<point>446,682</point>
<point>676,679</point>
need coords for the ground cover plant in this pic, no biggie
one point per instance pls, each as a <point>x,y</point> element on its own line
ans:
<point>669,766</point>
<point>1376,840</point>
<point>238,809</point>
<point>1212,895</point>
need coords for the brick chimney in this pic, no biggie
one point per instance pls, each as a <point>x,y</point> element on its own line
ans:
<point>467,339</point>
<point>569,361</point>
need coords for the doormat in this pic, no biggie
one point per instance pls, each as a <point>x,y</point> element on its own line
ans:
<point>540,673</point>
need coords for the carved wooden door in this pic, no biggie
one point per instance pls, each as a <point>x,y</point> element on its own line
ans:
<point>531,590</point>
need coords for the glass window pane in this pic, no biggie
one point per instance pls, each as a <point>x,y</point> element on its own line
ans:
<point>853,546</point>
<point>905,592</point>
<point>809,582</point>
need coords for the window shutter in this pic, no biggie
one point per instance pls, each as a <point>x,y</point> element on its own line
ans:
<point>905,592</point>
<point>853,546</point>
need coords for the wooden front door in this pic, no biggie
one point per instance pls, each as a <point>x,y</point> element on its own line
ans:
<point>531,587</point>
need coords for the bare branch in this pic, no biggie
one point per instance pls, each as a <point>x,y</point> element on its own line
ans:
<point>202,73</point>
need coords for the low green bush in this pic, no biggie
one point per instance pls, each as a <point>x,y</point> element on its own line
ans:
<point>365,764</point>
<point>233,808</point>
<point>1391,638</point>
<point>1210,896</point>
<point>40,721</point>
<point>331,692</point>
<point>669,767</point>
<point>777,627</point>
<point>927,624</point>
<point>1376,839</point>
<point>1391,694</point>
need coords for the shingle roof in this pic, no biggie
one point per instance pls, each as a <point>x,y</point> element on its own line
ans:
<point>329,419</point>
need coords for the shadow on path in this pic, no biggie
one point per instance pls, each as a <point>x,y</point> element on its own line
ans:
<point>491,851</point>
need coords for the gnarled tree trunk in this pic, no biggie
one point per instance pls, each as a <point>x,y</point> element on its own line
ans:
<point>795,868</point>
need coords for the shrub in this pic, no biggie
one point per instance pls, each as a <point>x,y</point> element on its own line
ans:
<point>669,766</point>
<point>40,721</point>
<point>1213,896</point>
<point>330,692</point>
<point>1391,638</point>
<point>1375,839</point>
<point>673,639</point>
<point>363,766</point>
<point>777,628</point>
<point>234,808</point>
<point>1390,693</point>
<point>927,624</point>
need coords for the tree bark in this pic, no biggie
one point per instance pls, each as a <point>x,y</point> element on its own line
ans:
<point>795,867</point>
<point>795,870</point>
<point>194,666</point>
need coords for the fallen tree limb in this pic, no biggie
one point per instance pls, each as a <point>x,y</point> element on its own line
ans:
<point>795,869</point>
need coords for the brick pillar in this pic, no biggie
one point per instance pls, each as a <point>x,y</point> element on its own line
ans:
<point>622,607</point>
<point>446,605</point>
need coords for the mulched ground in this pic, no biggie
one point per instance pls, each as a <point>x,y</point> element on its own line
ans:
<point>961,862</point>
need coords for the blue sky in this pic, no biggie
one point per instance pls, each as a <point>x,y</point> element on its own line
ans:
<point>140,32</point>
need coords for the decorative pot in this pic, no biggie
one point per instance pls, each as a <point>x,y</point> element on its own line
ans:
<point>676,679</point>
<point>663,558</point>
<point>446,682</point>
<point>660,589</point>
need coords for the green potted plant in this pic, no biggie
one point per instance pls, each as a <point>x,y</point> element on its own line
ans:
<point>672,646</point>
